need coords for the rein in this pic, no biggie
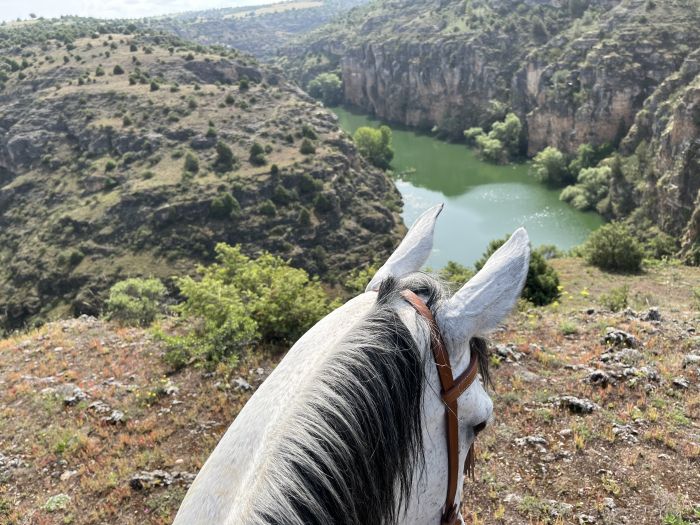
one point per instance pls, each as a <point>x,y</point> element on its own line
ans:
<point>451,389</point>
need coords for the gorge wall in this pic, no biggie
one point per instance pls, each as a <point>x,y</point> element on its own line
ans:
<point>575,72</point>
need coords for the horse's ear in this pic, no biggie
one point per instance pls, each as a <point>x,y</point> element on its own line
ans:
<point>490,295</point>
<point>413,251</point>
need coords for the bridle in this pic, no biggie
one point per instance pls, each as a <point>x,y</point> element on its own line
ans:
<point>451,389</point>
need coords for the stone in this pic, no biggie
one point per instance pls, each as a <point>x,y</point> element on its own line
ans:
<point>691,360</point>
<point>74,397</point>
<point>577,405</point>
<point>100,407</point>
<point>242,385</point>
<point>67,474</point>
<point>537,442</point>
<point>599,377</point>
<point>652,314</point>
<point>680,382</point>
<point>115,417</point>
<point>617,337</point>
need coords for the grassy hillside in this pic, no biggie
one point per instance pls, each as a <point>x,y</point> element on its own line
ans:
<point>127,153</point>
<point>97,428</point>
<point>258,30</point>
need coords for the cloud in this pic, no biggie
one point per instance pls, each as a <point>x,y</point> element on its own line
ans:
<point>11,9</point>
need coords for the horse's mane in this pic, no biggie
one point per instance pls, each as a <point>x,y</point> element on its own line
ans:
<point>357,441</point>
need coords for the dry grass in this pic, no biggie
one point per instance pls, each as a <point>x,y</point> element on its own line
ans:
<point>587,468</point>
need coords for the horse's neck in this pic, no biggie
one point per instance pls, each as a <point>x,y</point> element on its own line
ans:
<point>226,485</point>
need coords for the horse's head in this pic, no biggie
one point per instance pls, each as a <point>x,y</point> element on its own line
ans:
<point>462,320</point>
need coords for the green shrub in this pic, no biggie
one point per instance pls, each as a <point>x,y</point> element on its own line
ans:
<point>591,188</point>
<point>455,274</point>
<point>507,133</point>
<point>612,247</point>
<point>471,135</point>
<point>257,155</point>
<point>191,163</point>
<point>135,301</point>
<point>110,165</point>
<point>238,301</point>
<point>154,85</point>
<point>358,279</point>
<point>549,166</point>
<point>307,147</point>
<point>308,132</point>
<point>374,144</point>
<point>267,207</point>
<point>491,149</point>
<point>224,157</point>
<point>328,88</point>
<point>229,100</point>
<point>616,299</point>
<point>542,281</point>
<point>244,83</point>
<point>99,72</point>
<point>118,70</point>
<point>224,206</point>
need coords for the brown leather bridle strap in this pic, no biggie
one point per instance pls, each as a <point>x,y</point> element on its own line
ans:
<point>451,390</point>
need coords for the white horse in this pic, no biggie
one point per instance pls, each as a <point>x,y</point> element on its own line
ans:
<point>350,426</point>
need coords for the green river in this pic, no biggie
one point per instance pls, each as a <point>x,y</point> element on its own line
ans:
<point>482,201</point>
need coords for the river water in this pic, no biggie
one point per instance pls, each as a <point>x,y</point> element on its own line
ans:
<point>482,201</point>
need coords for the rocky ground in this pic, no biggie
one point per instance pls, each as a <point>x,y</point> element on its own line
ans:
<point>597,414</point>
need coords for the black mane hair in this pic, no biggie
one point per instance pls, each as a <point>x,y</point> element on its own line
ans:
<point>358,441</point>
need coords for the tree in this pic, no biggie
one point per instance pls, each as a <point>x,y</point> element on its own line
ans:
<point>307,147</point>
<point>135,301</point>
<point>508,133</point>
<point>191,163</point>
<point>239,300</point>
<point>549,166</point>
<point>224,157</point>
<point>491,148</point>
<point>612,247</point>
<point>257,155</point>
<point>590,189</point>
<point>375,145</point>
<point>328,88</point>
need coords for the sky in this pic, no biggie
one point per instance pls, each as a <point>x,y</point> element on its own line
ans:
<point>12,9</point>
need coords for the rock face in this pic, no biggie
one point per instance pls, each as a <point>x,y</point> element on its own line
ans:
<point>95,184</point>
<point>619,72</point>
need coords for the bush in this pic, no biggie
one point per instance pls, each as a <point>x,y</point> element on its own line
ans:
<point>590,190</point>
<point>307,147</point>
<point>191,163</point>
<point>224,206</point>
<point>244,83</point>
<point>239,300</point>
<point>491,149</point>
<point>616,299</point>
<point>549,166</point>
<point>542,281</point>
<point>471,135</point>
<point>135,301</point>
<point>224,157</point>
<point>508,134</point>
<point>257,155</point>
<point>374,144</point>
<point>328,88</point>
<point>308,132</point>
<point>612,247</point>
<point>118,70</point>
<point>110,165</point>
<point>455,274</point>
<point>154,85</point>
